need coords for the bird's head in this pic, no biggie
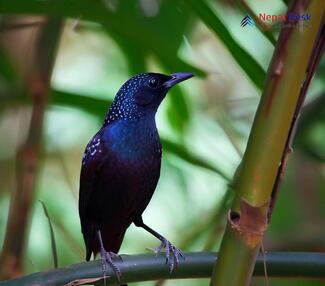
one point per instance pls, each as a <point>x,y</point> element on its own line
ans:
<point>142,94</point>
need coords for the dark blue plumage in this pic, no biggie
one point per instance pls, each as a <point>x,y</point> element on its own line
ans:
<point>121,167</point>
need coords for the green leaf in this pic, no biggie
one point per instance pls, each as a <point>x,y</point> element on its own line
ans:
<point>7,70</point>
<point>89,104</point>
<point>147,37</point>
<point>178,110</point>
<point>161,41</point>
<point>189,157</point>
<point>251,67</point>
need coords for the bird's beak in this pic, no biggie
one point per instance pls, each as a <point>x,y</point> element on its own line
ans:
<point>176,78</point>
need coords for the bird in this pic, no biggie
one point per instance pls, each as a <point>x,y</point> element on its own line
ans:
<point>121,167</point>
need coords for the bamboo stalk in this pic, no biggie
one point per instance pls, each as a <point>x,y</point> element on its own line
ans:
<point>145,267</point>
<point>247,222</point>
<point>36,79</point>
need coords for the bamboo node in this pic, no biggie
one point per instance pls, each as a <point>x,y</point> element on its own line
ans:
<point>250,223</point>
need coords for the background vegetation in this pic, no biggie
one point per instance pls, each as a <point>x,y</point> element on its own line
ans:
<point>204,123</point>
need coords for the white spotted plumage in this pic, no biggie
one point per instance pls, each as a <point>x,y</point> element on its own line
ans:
<point>123,107</point>
<point>92,148</point>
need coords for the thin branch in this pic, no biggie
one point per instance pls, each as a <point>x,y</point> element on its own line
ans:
<point>52,235</point>
<point>145,267</point>
<point>23,25</point>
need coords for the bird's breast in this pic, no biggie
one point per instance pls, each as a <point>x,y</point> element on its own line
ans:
<point>128,173</point>
<point>133,144</point>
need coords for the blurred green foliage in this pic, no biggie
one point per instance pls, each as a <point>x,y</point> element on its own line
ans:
<point>204,124</point>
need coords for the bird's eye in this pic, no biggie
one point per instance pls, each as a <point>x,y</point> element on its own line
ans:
<point>153,83</point>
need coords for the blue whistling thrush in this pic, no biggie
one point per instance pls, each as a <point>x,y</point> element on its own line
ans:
<point>121,168</point>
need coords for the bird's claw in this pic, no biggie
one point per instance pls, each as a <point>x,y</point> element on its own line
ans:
<point>115,256</point>
<point>107,260</point>
<point>173,254</point>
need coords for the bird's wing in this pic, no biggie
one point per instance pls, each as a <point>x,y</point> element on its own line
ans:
<point>94,156</point>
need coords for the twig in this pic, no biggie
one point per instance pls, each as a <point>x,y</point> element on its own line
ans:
<point>53,243</point>
<point>264,265</point>
<point>23,25</point>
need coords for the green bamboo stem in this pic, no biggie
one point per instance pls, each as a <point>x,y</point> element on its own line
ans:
<point>145,267</point>
<point>256,177</point>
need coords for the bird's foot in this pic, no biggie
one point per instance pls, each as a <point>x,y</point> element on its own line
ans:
<point>107,261</point>
<point>115,256</point>
<point>173,254</point>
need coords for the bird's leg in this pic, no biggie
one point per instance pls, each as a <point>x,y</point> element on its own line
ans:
<point>173,254</point>
<point>107,257</point>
